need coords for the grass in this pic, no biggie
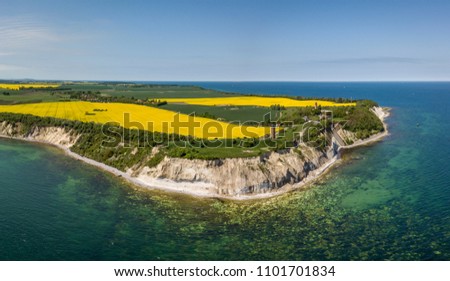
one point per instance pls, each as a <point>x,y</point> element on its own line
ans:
<point>140,91</point>
<point>255,101</point>
<point>30,96</point>
<point>226,113</point>
<point>141,117</point>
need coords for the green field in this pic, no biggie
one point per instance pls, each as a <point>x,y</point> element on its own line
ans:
<point>30,96</point>
<point>166,92</point>
<point>145,91</point>
<point>226,113</point>
<point>136,91</point>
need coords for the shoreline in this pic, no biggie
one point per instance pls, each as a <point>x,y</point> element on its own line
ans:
<point>385,112</point>
<point>167,185</point>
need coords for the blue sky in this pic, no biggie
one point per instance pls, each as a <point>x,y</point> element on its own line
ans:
<point>225,40</point>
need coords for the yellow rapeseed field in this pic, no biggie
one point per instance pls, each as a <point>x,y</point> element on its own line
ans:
<point>27,86</point>
<point>143,117</point>
<point>255,101</point>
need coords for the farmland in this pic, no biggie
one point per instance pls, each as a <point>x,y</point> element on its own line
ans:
<point>166,112</point>
<point>8,95</point>
<point>255,101</point>
<point>140,117</point>
<point>103,102</point>
<point>16,87</point>
<point>145,91</point>
<point>225,113</point>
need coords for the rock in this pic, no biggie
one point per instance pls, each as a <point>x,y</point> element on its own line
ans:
<point>240,176</point>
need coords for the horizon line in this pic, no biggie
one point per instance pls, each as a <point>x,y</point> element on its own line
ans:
<point>231,81</point>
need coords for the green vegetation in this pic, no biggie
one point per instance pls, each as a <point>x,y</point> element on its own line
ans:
<point>105,91</point>
<point>97,96</point>
<point>145,91</point>
<point>224,113</point>
<point>93,143</point>
<point>31,96</point>
<point>359,119</point>
<point>363,122</point>
<point>137,146</point>
<point>123,148</point>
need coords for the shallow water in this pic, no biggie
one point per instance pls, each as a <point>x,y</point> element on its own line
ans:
<point>387,201</point>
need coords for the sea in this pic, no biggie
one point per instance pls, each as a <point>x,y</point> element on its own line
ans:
<point>387,201</point>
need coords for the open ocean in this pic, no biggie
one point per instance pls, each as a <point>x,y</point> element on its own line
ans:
<point>389,201</point>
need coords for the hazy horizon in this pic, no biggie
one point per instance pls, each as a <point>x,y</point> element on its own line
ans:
<point>227,81</point>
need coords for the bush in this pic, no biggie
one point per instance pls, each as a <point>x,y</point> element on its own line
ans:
<point>363,122</point>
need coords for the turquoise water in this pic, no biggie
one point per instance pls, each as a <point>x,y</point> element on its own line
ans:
<point>390,201</point>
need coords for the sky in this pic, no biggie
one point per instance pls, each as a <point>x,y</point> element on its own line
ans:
<point>226,40</point>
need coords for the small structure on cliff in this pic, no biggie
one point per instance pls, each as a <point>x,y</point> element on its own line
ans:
<point>273,131</point>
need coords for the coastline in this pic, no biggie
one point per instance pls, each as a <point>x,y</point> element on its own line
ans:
<point>382,114</point>
<point>189,188</point>
<point>112,170</point>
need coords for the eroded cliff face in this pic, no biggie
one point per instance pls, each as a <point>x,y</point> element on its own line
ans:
<point>51,135</point>
<point>273,171</point>
<point>241,176</point>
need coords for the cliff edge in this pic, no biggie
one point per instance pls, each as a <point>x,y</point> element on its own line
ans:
<point>239,178</point>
